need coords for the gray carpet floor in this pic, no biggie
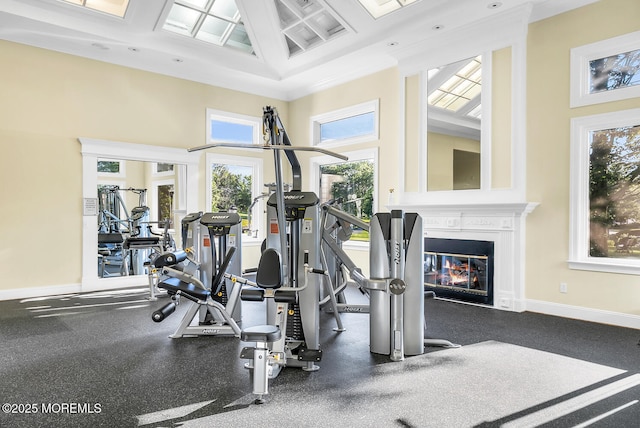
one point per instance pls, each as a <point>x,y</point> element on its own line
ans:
<point>101,356</point>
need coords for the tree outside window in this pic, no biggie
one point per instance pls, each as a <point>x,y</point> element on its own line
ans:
<point>231,188</point>
<point>352,183</point>
<point>615,71</point>
<point>614,192</point>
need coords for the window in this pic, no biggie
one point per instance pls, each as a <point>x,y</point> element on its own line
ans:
<point>353,181</point>
<point>605,71</point>
<point>605,192</point>
<point>353,124</point>
<point>236,181</point>
<point>232,128</point>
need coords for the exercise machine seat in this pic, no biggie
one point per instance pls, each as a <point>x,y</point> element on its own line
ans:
<point>261,333</point>
<point>269,274</point>
<point>173,285</point>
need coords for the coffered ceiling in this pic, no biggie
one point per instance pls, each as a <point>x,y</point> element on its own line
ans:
<point>278,48</point>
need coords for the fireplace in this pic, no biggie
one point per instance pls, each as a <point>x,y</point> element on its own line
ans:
<point>459,269</point>
<point>481,219</point>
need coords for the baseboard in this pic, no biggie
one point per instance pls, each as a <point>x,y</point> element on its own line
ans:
<point>584,314</point>
<point>31,292</point>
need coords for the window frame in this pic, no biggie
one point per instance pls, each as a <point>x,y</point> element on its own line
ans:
<point>580,71</point>
<point>235,118</point>
<point>317,121</point>
<point>579,257</point>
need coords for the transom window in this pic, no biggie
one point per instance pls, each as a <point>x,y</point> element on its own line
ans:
<point>353,124</point>
<point>224,127</point>
<point>212,21</point>
<point>615,71</point>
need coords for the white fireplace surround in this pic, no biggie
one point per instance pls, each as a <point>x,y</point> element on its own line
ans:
<point>498,222</point>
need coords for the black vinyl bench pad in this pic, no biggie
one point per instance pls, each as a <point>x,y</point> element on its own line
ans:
<point>174,285</point>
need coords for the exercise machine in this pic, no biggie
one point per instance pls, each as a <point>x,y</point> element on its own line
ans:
<point>212,249</point>
<point>179,284</point>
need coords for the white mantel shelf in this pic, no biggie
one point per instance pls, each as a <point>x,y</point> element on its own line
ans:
<point>500,222</point>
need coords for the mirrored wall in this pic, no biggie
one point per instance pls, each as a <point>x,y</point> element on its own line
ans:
<point>458,125</point>
<point>139,205</point>
<point>135,197</point>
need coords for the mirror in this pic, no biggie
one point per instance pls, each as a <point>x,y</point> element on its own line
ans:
<point>130,190</point>
<point>138,210</point>
<point>468,142</point>
<point>454,123</point>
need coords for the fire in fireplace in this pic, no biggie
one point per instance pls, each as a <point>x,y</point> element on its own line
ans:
<point>459,269</point>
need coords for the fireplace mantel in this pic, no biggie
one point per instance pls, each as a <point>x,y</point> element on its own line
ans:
<point>490,220</point>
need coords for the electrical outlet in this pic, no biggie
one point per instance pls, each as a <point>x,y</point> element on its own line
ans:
<point>563,287</point>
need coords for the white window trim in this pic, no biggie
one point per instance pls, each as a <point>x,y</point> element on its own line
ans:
<point>355,110</point>
<point>256,188</point>
<point>239,119</point>
<point>354,156</point>
<point>580,74</point>
<point>581,127</point>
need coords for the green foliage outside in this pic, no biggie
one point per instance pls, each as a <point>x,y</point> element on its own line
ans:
<point>614,168</point>
<point>614,192</point>
<point>355,189</point>
<point>230,190</point>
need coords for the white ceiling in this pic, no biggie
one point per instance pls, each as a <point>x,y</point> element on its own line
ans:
<point>138,40</point>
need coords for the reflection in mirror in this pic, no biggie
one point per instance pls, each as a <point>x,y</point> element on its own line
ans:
<point>454,125</point>
<point>136,213</point>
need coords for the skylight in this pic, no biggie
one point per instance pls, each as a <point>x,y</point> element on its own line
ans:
<point>378,8</point>
<point>112,7</point>
<point>460,88</point>
<point>212,21</point>
<point>307,23</point>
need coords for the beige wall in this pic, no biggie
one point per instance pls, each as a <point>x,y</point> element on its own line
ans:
<point>440,159</point>
<point>49,100</point>
<point>548,141</point>
<point>501,121</point>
